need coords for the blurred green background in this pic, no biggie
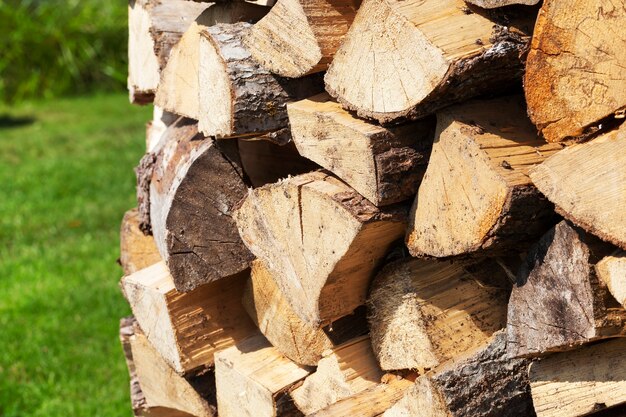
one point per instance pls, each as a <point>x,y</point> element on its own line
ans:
<point>69,140</point>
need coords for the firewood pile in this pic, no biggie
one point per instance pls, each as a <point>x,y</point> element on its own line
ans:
<point>390,208</point>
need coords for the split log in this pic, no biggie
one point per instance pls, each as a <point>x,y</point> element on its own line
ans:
<point>265,162</point>
<point>137,250</point>
<point>384,165</point>
<point>574,80</point>
<point>187,329</point>
<point>424,313</point>
<point>587,184</point>
<point>300,37</point>
<point>559,303</point>
<point>194,187</point>
<point>155,128</point>
<point>476,195</point>
<point>405,60</point>
<point>369,403</point>
<point>157,391</point>
<point>234,89</point>
<point>253,380</point>
<point>299,341</point>
<point>315,235</point>
<point>580,382</point>
<point>178,87</point>
<point>154,27</point>
<point>343,372</point>
<point>492,4</point>
<point>483,383</point>
<point>612,271</point>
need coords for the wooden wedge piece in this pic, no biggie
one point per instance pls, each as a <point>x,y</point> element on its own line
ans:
<point>137,250</point>
<point>476,195</point>
<point>155,128</point>
<point>385,165</point>
<point>612,271</point>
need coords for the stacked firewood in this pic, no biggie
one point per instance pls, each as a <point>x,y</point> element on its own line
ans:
<point>388,208</point>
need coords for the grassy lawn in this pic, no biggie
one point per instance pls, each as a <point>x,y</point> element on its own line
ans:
<point>65,181</point>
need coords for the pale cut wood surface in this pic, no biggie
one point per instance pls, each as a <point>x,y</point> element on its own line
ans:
<point>587,184</point>
<point>155,128</point>
<point>299,37</point>
<point>575,68</point>
<point>424,313</point>
<point>612,271</point>
<point>187,329</point>
<point>137,250</point>
<point>385,165</point>
<point>407,59</point>
<point>343,372</point>
<point>476,195</point>
<point>559,303</point>
<point>253,379</point>
<point>492,4</point>
<point>580,382</point>
<point>314,233</point>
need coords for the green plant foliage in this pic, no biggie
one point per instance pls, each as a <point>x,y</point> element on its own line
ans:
<point>61,47</point>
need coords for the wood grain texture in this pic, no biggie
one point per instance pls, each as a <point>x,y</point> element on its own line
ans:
<point>407,59</point>
<point>612,271</point>
<point>575,68</point>
<point>580,382</point>
<point>314,233</point>
<point>559,303</point>
<point>476,195</point>
<point>385,165</point>
<point>424,313</point>
<point>492,4</point>
<point>187,329</point>
<point>587,184</point>
<point>137,250</point>
<point>300,37</point>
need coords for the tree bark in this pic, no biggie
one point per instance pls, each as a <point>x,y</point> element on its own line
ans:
<point>405,60</point>
<point>385,165</point>
<point>575,77</point>
<point>559,303</point>
<point>424,313</point>
<point>476,196</point>
<point>593,194</point>
<point>234,89</point>
<point>300,37</point>
<point>314,233</point>
<point>187,329</point>
<point>137,250</point>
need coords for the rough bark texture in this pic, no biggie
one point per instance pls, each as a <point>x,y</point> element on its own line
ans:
<point>195,186</point>
<point>425,65</point>
<point>137,251</point>
<point>385,165</point>
<point>299,37</point>
<point>235,89</point>
<point>476,196</point>
<point>575,77</point>
<point>492,4</point>
<point>558,302</point>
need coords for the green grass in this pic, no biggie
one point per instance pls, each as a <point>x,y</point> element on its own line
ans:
<point>65,182</point>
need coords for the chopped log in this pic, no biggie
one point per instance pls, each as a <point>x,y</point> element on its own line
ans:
<point>612,271</point>
<point>571,180</point>
<point>405,60</point>
<point>137,250</point>
<point>492,4</point>
<point>265,162</point>
<point>580,382</point>
<point>178,87</point>
<point>424,313</point>
<point>482,383</point>
<point>195,185</point>
<point>155,128</point>
<point>253,380</point>
<point>314,233</point>
<point>384,165</point>
<point>343,372</point>
<point>300,37</point>
<point>187,329</point>
<point>154,27</point>
<point>559,303</point>
<point>234,89</point>
<point>574,80</point>
<point>299,341</point>
<point>476,195</point>
<point>369,403</point>
<point>156,391</point>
